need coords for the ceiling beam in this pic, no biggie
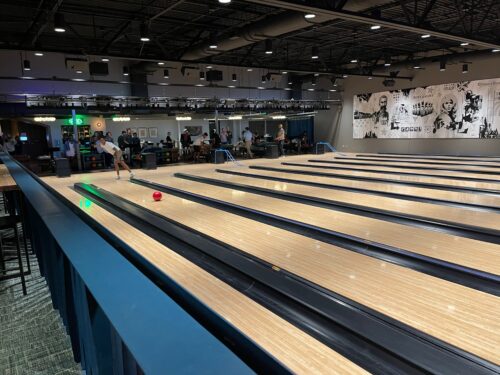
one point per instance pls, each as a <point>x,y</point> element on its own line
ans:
<point>355,17</point>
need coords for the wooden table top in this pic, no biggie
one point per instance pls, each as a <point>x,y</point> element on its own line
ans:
<point>7,183</point>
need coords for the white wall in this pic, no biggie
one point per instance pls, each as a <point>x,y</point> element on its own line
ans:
<point>480,68</point>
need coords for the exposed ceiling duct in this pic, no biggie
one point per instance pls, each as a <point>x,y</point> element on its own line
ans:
<point>271,28</point>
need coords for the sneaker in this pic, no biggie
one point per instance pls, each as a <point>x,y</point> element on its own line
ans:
<point>118,177</point>
<point>131,175</point>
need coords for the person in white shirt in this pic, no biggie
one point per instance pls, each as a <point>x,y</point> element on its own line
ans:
<point>114,150</point>
<point>247,138</point>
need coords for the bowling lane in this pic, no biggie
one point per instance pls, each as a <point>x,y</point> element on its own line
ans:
<point>428,180</point>
<point>471,217</point>
<point>487,200</point>
<point>300,352</point>
<point>394,170</point>
<point>495,159</point>
<point>485,256</point>
<point>421,162</point>
<point>455,314</point>
<point>410,165</point>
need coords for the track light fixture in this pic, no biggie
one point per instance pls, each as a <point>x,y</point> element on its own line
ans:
<point>26,65</point>
<point>269,46</point>
<point>315,53</point>
<point>144,33</point>
<point>59,23</point>
<point>442,66</point>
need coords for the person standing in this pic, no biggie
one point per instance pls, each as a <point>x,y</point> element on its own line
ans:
<point>121,140</point>
<point>280,138</point>
<point>117,153</point>
<point>223,136</point>
<point>169,144</point>
<point>247,138</point>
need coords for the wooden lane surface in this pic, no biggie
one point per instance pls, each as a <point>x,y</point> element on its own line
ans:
<point>422,162</point>
<point>437,167</point>
<point>471,217</point>
<point>7,183</point>
<point>461,316</point>
<point>495,159</point>
<point>404,178</point>
<point>293,347</point>
<point>484,256</point>
<point>488,200</point>
<point>426,172</point>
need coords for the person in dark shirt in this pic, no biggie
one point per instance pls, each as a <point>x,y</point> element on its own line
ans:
<point>135,144</point>
<point>215,139</point>
<point>169,142</point>
<point>121,140</point>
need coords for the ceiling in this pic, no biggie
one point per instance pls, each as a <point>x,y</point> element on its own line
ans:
<point>178,28</point>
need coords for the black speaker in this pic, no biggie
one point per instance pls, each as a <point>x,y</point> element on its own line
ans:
<point>98,68</point>
<point>217,156</point>
<point>63,168</point>
<point>149,160</point>
<point>272,151</point>
<point>214,75</point>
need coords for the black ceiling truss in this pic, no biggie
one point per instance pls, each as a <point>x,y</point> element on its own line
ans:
<point>111,28</point>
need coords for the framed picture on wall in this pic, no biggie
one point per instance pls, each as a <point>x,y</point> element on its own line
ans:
<point>153,132</point>
<point>143,133</point>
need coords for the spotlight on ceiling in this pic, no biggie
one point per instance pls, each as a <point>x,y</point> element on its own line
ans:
<point>165,73</point>
<point>125,71</point>
<point>234,78</point>
<point>463,44</point>
<point>104,59</point>
<point>442,66</point>
<point>309,16</point>
<point>387,62</point>
<point>161,63</point>
<point>38,54</point>
<point>26,65</point>
<point>315,53</point>
<point>144,33</point>
<point>354,61</point>
<point>269,47</point>
<point>375,27</point>
<point>202,76</point>
<point>59,23</point>
<point>224,1</point>
<point>495,50</point>
<point>425,36</point>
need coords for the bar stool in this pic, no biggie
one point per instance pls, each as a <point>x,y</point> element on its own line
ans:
<point>11,222</point>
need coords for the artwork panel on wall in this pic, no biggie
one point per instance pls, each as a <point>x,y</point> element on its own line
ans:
<point>143,133</point>
<point>153,132</point>
<point>469,109</point>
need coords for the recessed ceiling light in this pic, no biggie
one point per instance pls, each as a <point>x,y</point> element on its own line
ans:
<point>212,46</point>
<point>269,52</point>
<point>231,87</point>
<point>287,88</point>
<point>38,54</point>
<point>284,72</point>
<point>161,63</point>
<point>425,36</point>
<point>333,90</point>
<point>261,88</point>
<point>78,79</point>
<point>145,39</point>
<point>79,71</point>
<point>354,61</point>
<point>463,44</point>
<point>316,74</point>
<point>199,85</point>
<point>416,66</point>
<point>104,59</point>
<point>375,27</point>
<point>345,76</point>
<point>387,64</point>
<point>249,70</point>
<point>224,1</point>
<point>309,15</point>
<point>209,67</point>
<point>310,89</point>
<point>495,50</point>
<point>370,77</point>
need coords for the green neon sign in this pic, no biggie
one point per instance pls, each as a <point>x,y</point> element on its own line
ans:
<point>79,121</point>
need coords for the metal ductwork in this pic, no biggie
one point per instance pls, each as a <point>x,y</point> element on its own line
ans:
<point>271,28</point>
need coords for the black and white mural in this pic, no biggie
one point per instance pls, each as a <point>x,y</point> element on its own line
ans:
<point>468,109</point>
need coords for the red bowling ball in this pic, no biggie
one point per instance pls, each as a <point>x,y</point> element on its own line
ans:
<point>157,196</point>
